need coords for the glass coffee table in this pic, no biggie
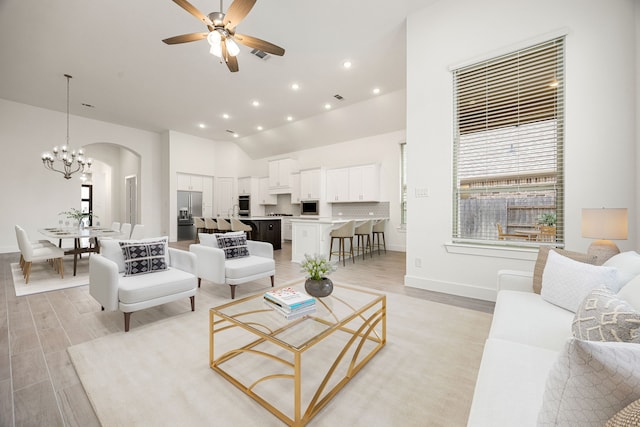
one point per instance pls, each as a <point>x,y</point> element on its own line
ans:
<point>260,352</point>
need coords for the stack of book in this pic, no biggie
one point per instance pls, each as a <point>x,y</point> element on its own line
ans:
<point>290,303</point>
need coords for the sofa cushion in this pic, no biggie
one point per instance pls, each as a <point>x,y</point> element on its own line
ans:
<point>233,245</point>
<point>510,384</point>
<point>247,266</point>
<point>207,239</point>
<point>134,289</point>
<point>629,416</point>
<point>526,318</point>
<point>566,282</point>
<point>628,265</point>
<point>603,316</point>
<point>631,292</point>
<point>591,382</point>
<point>541,261</point>
<point>110,248</point>
<point>144,257</point>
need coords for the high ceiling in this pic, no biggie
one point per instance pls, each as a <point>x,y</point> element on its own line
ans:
<point>126,75</point>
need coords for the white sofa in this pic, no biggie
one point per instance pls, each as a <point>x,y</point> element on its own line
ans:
<point>215,267</point>
<point>527,338</point>
<point>115,290</point>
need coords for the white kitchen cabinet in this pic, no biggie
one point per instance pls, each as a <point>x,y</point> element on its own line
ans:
<point>337,185</point>
<point>280,175</point>
<point>287,228</point>
<point>207,197</point>
<point>364,183</point>
<point>187,182</point>
<point>245,186</point>
<point>224,196</point>
<point>265,197</point>
<point>295,188</point>
<point>311,184</point>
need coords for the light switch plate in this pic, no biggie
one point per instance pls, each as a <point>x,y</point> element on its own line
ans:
<point>422,192</point>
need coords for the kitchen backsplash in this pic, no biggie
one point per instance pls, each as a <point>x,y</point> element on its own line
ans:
<point>360,210</point>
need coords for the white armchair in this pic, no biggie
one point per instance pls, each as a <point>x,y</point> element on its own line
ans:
<point>114,290</point>
<point>213,266</point>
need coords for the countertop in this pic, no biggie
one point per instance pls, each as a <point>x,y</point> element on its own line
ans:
<point>335,219</point>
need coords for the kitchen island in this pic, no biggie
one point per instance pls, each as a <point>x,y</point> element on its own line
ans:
<point>312,235</point>
<point>265,229</point>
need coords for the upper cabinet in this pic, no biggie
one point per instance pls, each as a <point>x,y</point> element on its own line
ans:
<point>280,175</point>
<point>247,186</point>
<point>311,187</point>
<point>223,196</point>
<point>264,195</point>
<point>295,188</point>
<point>354,184</point>
<point>338,185</point>
<point>364,183</point>
<point>188,182</point>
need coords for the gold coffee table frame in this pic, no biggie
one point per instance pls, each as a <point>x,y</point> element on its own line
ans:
<point>355,315</point>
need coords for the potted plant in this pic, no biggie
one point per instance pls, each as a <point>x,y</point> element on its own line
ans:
<point>77,215</point>
<point>317,268</point>
<point>547,219</point>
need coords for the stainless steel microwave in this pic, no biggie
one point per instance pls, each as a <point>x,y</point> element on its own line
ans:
<point>310,207</point>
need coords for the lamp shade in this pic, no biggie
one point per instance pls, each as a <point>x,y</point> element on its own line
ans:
<point>605,223</point>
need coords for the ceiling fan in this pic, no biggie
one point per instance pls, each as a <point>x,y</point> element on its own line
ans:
<point>222,34</point>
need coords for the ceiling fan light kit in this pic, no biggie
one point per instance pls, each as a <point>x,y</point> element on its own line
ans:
<point>221,35</point>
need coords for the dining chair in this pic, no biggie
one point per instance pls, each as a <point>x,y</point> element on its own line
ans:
<point>30,254</point>
<point>547,233</point>
<point>506,236</point>
<point>115,225</point>
<point>125,231</point>
<point>137,232</point>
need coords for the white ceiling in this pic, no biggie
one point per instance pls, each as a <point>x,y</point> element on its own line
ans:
<point>120,66</point>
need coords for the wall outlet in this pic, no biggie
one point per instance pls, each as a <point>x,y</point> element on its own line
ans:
<point>339,213</point>
<point>418,262</point>
<point>371,213</point>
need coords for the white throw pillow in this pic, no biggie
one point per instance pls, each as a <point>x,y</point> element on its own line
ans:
<point>566,282</point>
<point>631,293</point>
<point>590,382</point>
<point>627,263</point>
<point>207,239</point>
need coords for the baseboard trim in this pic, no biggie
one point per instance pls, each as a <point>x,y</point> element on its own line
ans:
<point>459,289</point>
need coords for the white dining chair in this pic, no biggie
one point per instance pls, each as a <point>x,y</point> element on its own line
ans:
<point>137,232</point>
<point>125,231</point>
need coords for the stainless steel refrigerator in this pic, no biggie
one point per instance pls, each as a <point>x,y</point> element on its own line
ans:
<point>189,205</point>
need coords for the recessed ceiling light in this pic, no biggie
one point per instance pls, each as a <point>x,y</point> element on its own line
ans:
<point>259,128</point>
<point>256,103</point>
<point>235,135</point>
<point>327,106</point>
<point>289,118</point>
<point>202,125</point>
<point>376,90</point>
<point>225,116</point>
<point>295,86</point>
<point>347,64</point>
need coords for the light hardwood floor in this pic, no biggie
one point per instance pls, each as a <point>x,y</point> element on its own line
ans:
<point>38,384</point>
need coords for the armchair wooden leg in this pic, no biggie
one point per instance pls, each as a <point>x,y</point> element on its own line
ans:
<point>193,303</point>
<point>272,281</point>
<point>127,319</point>
<point>233,291</point>
<point>199,279</point>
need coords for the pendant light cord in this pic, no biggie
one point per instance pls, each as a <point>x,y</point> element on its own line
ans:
<point>68,78</point>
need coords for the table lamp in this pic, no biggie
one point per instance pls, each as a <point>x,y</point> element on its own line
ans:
<point>604,224</point>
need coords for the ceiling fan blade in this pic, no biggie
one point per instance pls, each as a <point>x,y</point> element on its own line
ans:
<point>194,11</point>
<point>231,61</point>
<point>184,38</point>
<point>236,13</point>
<point>259,44</point>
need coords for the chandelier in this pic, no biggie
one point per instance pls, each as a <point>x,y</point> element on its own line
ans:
<point>65,160</point>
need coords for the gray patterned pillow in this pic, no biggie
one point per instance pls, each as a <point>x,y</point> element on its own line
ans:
<point>234,246</point>
<point>602,316</point>
<point>143,257</point>
<point>590,382</point>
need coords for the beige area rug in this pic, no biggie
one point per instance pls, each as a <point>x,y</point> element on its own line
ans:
<point>44,278</point>
<point>158,374</point>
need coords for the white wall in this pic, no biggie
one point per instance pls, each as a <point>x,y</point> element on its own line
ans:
<point>33,196</point>
<point>601,140</point>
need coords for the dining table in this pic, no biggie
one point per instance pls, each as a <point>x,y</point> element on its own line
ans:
<point>77,234</point>
<point>532,234</point>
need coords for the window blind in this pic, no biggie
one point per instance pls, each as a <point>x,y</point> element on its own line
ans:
<point>508,147</point>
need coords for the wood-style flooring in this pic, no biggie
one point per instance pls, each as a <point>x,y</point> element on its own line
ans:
<point>38,384</point>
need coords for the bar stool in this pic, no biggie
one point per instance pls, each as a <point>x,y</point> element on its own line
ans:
<point>363,232</point>
<point>223,225</point>
<point>200,225</point>
<point>378,230</point>
<point>237,225</point>
<point>210,225</point>
<point>345,231</point>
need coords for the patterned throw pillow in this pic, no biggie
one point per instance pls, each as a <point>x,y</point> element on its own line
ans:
<point>590,383</point>
<point>628,417</point>
<point>603,316</point>
<point>234,246</point>
<point>144,257</point>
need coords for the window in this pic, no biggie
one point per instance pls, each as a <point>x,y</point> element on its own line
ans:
<point>508,147</point>
<point>403,184</point>
<point>86,202</point>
